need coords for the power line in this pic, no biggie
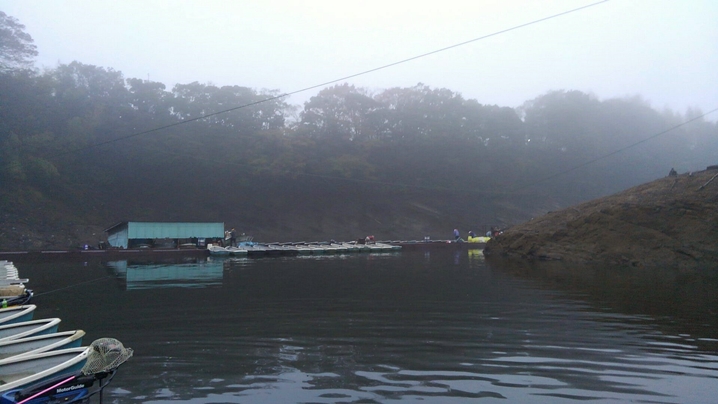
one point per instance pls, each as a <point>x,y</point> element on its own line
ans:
<point>333,81</point>
<point>550,177</point>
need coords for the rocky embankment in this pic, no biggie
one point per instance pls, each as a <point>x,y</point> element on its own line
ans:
<point>671,222</point>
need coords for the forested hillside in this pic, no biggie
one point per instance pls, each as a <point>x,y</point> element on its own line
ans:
<point>83,147</point>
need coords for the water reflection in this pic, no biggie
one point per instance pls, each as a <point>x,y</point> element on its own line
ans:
<point>429,326</point>
<point>476,257</point>
<point>188,273</point>
<point>687,299</point>
<point>202,272</point>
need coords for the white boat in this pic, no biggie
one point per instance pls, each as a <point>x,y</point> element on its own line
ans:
<point>12,288</point>
<point>340,247</point>
<point>303,249</point>
<point>8,272</point>
<point>17,314</point>
<point>41,343</point>
<point>236,251</point>
<point>255,249</point>
<point>217,250</point>
<point>388,247</point>
<point>285,249</point>
<point>329,249</point>
<point>353,247</point>
<point>269,249</point>
<point>316,248</point>
<point>362,247</point>
<point>377,248</point>
<point>28,328</point>
<point>61,376</point>
<point>16,372</point>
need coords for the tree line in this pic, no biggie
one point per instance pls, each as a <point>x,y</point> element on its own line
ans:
<point>79,124</point>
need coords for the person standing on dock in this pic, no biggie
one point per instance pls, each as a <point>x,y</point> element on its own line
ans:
<point>457,236</point>
<point>233,237</point>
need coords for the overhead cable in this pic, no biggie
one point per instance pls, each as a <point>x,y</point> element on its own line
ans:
<point>332,81</point>
<point>613,152</point>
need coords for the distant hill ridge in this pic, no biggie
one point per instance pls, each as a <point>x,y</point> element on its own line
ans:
<point>670,222</point>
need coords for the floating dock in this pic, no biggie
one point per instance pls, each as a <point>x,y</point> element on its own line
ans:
<point>283,248</point>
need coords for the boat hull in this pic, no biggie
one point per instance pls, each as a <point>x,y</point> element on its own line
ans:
<point>218,251</point>
<point>17,314</point>
<point>19,372</point>
<point>66,393</point>
<point>28,328</point>
<point>41,343</point>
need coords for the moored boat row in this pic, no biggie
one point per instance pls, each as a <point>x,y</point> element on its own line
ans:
<point>301,247</point>
<point>38,364</point>
<point>12,287</point>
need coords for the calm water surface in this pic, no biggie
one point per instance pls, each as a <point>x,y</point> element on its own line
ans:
<point>429,327</point>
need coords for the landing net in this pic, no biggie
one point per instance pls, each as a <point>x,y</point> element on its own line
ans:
<point>106,354</point>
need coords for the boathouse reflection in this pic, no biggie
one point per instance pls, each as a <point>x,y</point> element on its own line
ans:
<point>195,273</point>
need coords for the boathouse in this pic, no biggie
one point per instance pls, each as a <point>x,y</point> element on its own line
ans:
<point>163,235</point>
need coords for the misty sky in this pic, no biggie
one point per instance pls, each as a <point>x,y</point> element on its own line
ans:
<point>663,50</point>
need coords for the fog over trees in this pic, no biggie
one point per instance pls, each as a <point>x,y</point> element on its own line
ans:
<point>97,143</point>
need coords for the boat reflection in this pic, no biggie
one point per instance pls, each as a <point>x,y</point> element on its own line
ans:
<point>194,273</point>
<point>476,257</point>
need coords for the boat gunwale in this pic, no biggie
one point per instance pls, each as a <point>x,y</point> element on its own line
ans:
<point>68,338</point>
<point>43,325</point>
<point>19,312</point>
<point>82,353</point>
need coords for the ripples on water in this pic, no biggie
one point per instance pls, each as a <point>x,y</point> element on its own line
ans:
<point>438,327</point>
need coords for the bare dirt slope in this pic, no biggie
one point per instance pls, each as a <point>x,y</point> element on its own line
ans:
<point>672,222</point>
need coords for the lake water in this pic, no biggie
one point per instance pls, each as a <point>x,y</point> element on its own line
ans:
<point>415,326</point>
